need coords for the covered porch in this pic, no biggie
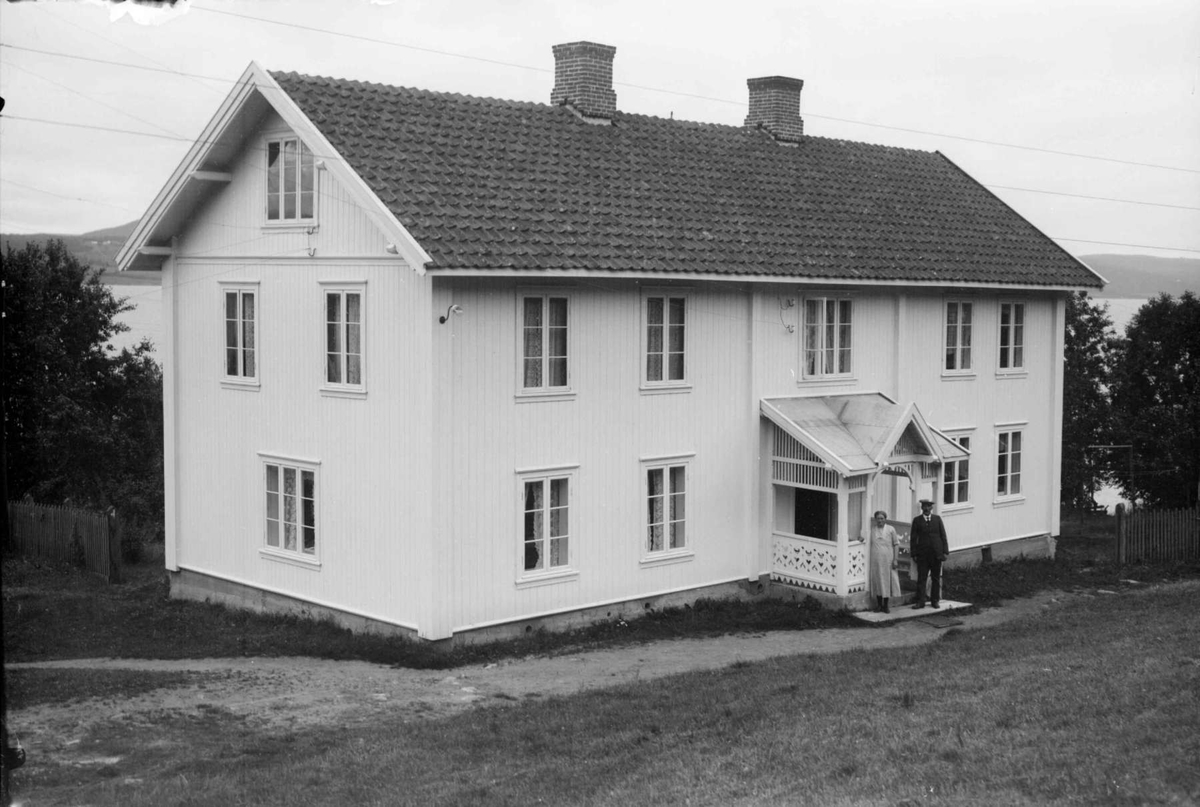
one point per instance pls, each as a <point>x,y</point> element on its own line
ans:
<point>834,460</point>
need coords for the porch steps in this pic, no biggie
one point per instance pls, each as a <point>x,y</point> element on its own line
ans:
<point>940,618</point>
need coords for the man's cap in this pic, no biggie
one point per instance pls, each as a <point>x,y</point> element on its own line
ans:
<point>926,501</point>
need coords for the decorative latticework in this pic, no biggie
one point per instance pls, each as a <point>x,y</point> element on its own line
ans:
<point>856,568</point>
<point>857,482</point>
<point>795,464</point>
<point>910,444</point>
<point>789,448</point>
<point>807,563</point>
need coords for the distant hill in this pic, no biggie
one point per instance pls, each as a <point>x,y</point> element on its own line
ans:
<point>97,249</point>
<point>1144,276</point>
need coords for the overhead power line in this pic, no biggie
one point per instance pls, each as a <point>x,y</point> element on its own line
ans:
<point>852,121</point>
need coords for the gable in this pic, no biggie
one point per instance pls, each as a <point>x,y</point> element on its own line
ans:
<point>207,168</point>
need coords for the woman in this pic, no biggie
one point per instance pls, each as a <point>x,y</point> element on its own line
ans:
<point>884,582</point>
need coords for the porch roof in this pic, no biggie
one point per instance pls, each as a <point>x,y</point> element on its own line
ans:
<point>856,433</point>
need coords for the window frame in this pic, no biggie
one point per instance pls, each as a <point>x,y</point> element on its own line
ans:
<point>278,552</point>
<point>241,288</point>
<point>342,288</point>
<point>823,330</point>
<point>668,554</point>
<point>959,371</point>
<point>544,392</point>
<point>963,503</point>
<point>1003,490</point>
<point>546,476</point>
<point>664,384</point>
<point>1010,357</point>
<point>280,221</point>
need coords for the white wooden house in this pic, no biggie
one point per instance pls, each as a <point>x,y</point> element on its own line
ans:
<point>457,366</point>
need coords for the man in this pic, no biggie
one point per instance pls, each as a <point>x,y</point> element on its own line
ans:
<point>928,545</point>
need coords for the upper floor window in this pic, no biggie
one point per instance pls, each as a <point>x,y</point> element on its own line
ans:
<point>1012,336</point>
<point>666,334</point>
<point>958,336</point>
<point>241,327</point>
<point>827,336</point>
<point>956,476</point>
<point>344,349</point>
<point>544,343</point>
<point>1008,464</point>
<point>291,181</point>
<point>291,507</point>
<point>546,536</point>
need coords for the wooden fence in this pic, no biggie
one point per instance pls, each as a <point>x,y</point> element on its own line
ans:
<point>1158,534</point>
<point>84,538</point>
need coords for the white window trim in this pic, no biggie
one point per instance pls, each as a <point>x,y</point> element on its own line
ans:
<point>959,507</point>
<point>1022,370</point>
<point>665,385</point>
<point>242,382</point>
<point>666,556</point>
<point>1007,499</point>
<point>558,574</point>
<point>292,557</point>
<point>531,394</point>
<point>959,373</point>
<point>817,379</point>
<point>309,225</point>
<point>335,389</point>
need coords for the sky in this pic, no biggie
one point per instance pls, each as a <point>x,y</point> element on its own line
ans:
<point>1082,115</point>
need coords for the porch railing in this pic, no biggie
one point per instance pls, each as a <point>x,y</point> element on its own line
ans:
<point>814,563</point>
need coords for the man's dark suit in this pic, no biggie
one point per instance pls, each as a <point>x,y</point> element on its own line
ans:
<point>928,545</point>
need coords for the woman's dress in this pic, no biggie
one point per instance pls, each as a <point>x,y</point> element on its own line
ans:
<point>883,581</point>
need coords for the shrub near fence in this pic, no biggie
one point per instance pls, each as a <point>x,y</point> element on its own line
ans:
<point>84,538</point>
<point>1158,534</point>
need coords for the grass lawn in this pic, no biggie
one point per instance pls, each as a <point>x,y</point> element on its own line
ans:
<point>1094,703</point>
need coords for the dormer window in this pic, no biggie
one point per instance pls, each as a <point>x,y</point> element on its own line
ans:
<point>291,181</point>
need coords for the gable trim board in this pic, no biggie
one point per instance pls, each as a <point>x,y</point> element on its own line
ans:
<point>175,199</point>
<point>417,515</point>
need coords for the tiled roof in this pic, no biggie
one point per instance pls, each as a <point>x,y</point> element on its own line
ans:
<point>502,185</point>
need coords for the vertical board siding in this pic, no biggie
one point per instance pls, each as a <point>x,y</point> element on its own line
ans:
<point>605,429</point>
<point>373,478</point>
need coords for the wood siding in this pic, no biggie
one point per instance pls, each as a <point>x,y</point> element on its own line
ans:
<point>374,451</point>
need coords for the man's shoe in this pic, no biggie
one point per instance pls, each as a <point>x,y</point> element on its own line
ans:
<point>934,605</point>
<point>918,605</point>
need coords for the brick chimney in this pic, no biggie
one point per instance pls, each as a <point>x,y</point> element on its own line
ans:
<point>583,79</point>
<point>775,106</point>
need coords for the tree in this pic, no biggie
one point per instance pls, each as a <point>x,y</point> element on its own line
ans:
<point>1156,400</point>
<point>82,422</point>
<point>1087,412</point>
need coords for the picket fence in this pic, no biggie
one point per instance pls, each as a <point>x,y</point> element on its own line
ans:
<point>1158,534</point>
<point>86,538</point>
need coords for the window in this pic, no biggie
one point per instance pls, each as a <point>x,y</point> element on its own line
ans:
<point>291,511</point>
<point>241,363</point>
<point>666,326</point>
<point>291,181</point>
<point>1012,336</point>
<point>666,499</point>
<point>827,341</point>
<point>344,338</point>
<point>956,476</point>
<point>1008,464</point>
<point>958,336</point>
<point>544,343</point>
<point>546,538</point>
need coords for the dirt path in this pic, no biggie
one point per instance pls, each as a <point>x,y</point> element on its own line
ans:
<point>287,693</point>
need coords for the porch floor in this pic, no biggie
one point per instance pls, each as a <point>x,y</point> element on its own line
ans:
<point>905,612</point>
